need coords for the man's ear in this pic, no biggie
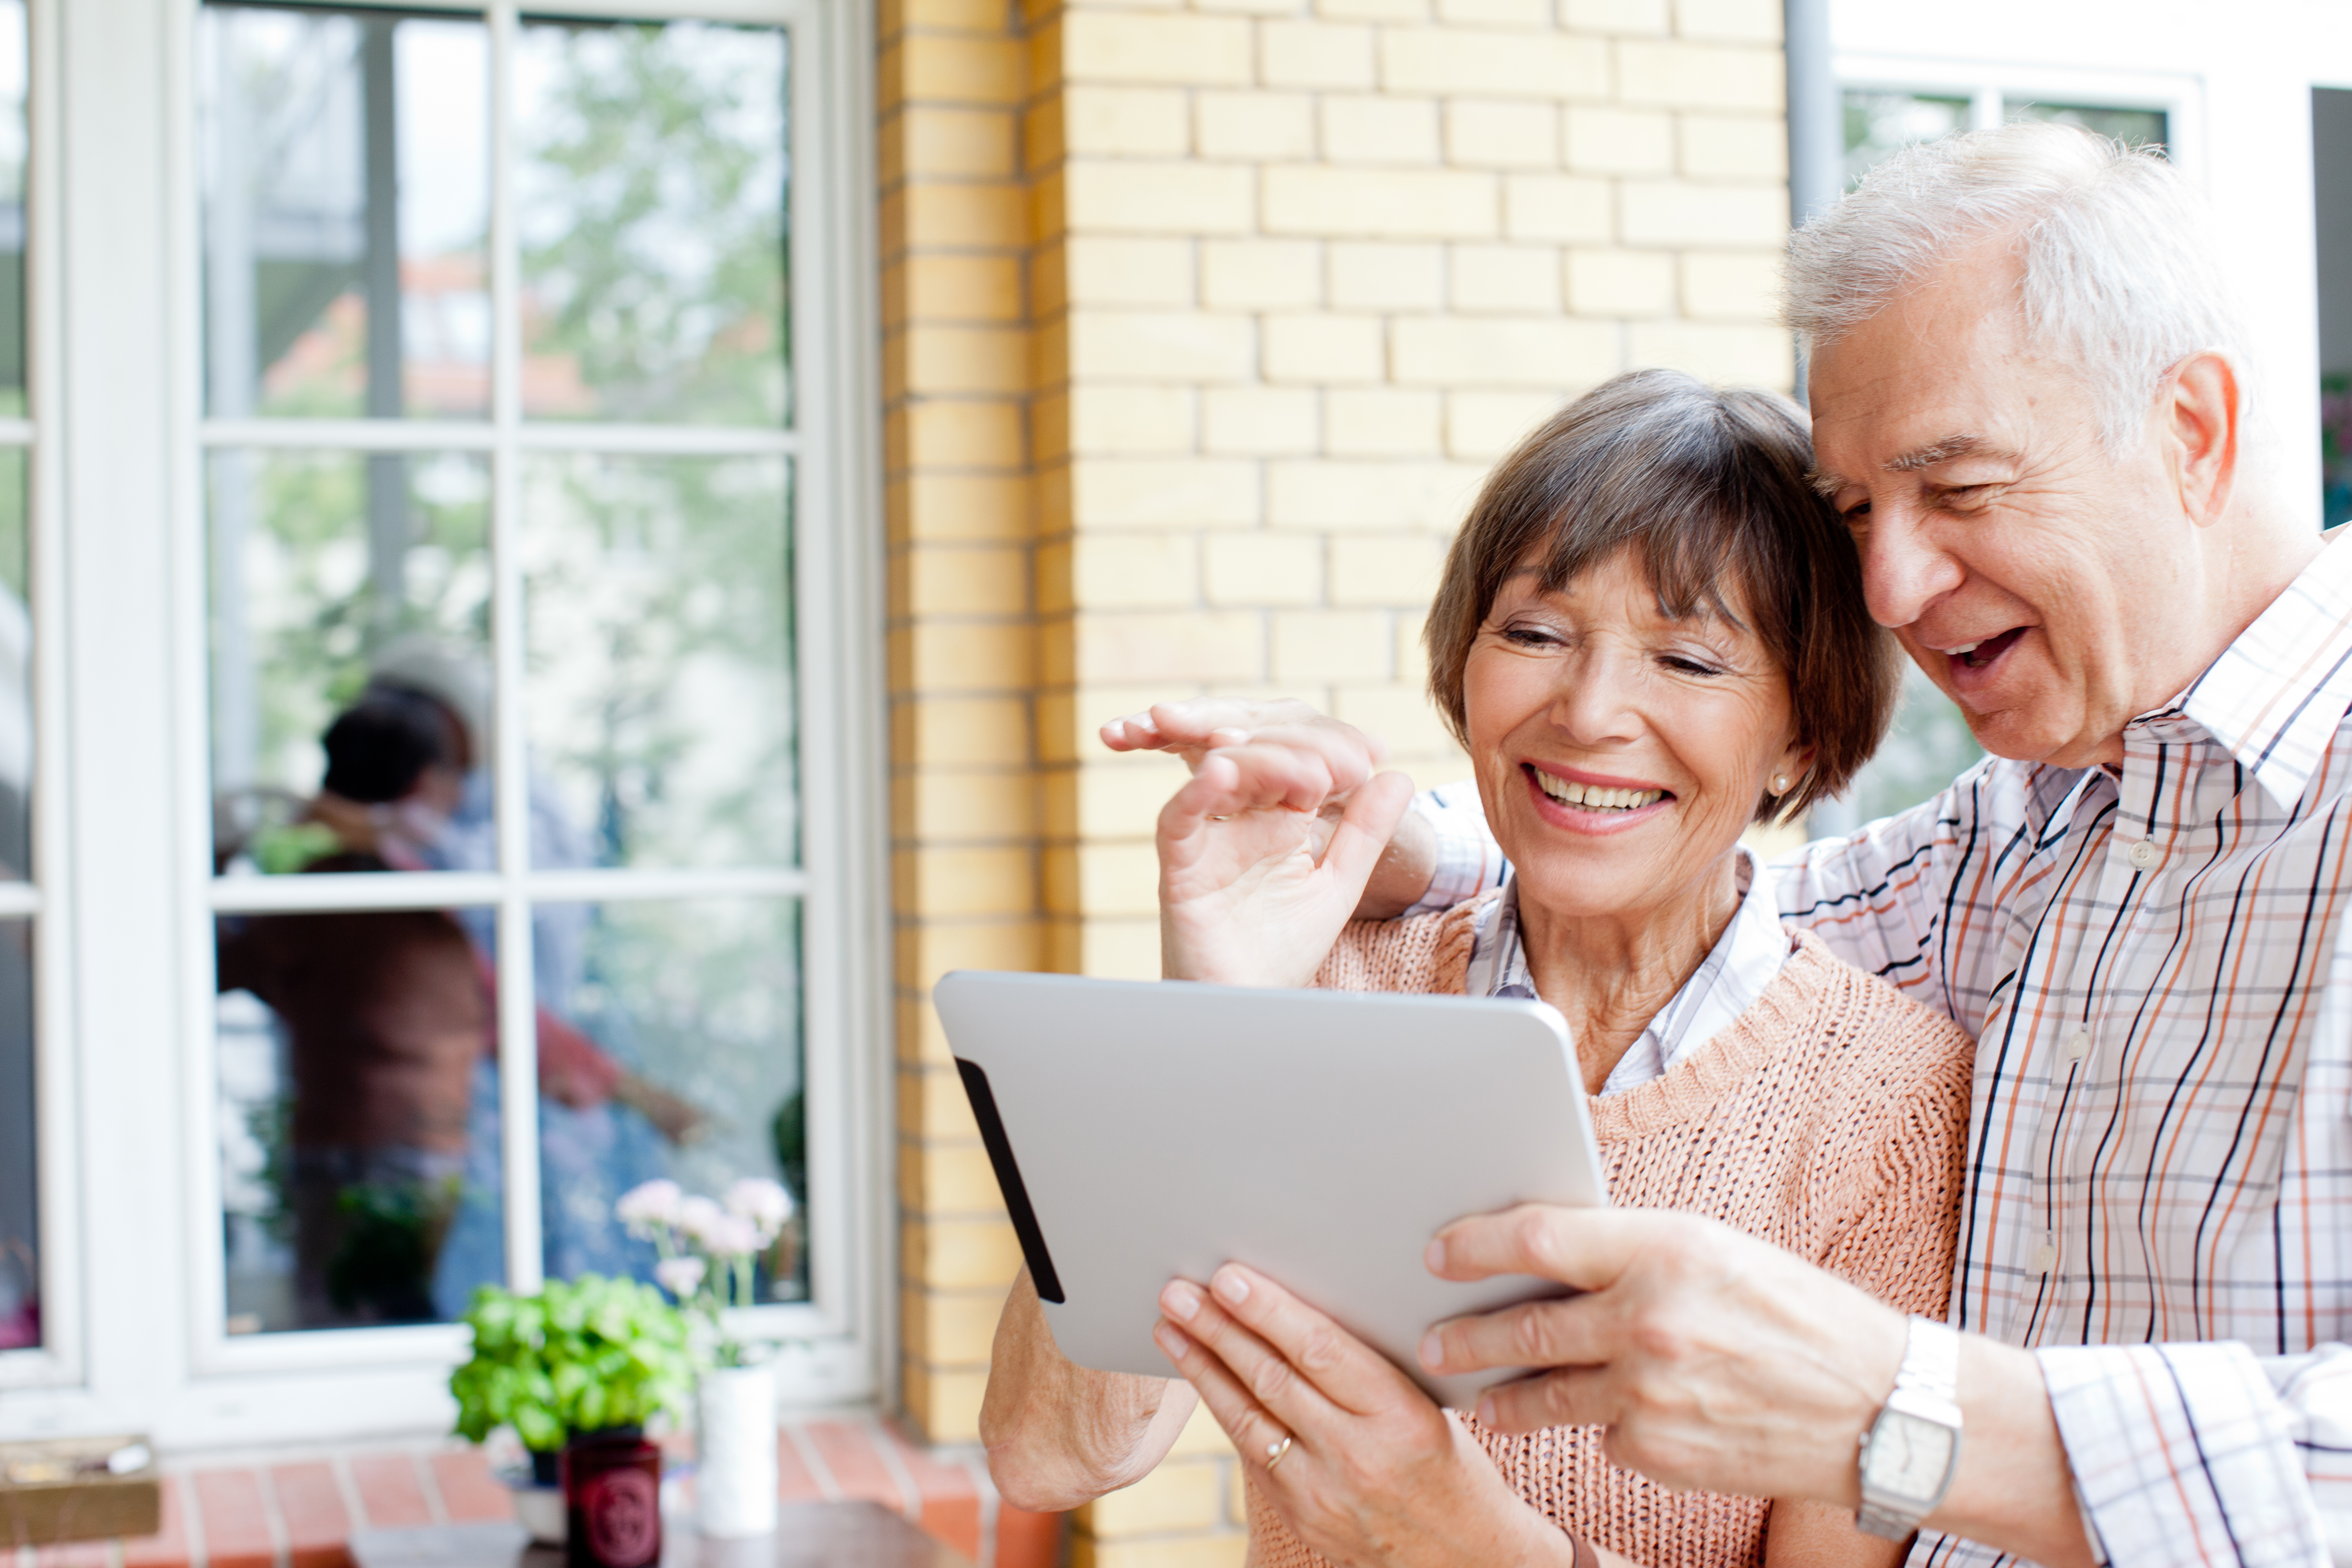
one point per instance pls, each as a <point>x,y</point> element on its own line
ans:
<point>2203,423</point>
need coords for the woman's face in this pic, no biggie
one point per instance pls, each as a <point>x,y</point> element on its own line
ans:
<point>1620,753</point>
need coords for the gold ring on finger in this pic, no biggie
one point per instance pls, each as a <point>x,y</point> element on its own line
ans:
<point>1276,1452</point>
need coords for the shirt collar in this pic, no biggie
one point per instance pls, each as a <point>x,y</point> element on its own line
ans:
<point>2275,696</point>
<point>1744,959</point>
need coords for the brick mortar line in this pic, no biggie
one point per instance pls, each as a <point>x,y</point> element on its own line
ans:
<point>821,1472</point>
<point>273,1518</point>
<point>191,1522</point>
<point>430,1485</point>
<point>347,1489</point>
<point>911,1496</point>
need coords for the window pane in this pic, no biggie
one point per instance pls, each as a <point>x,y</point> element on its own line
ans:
<point>16,671</point>
<point>15,142</point>
<point>1929,747</point>
<point>20,1225</point>
<point>358,1114</point>
<point>351,681</point>
<point>1877,123</point>
<point>658,597</point>
<point>651,201</point>
<point>346,202</point>
<point>2134,127</point>
<point>673,1050</point>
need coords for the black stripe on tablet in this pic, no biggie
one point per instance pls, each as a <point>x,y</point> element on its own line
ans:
<point>1008,1181</point>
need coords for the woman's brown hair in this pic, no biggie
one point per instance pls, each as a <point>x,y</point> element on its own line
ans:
<point>1713,488</point>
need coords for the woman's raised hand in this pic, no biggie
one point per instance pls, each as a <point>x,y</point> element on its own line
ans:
<point>1265,852</point>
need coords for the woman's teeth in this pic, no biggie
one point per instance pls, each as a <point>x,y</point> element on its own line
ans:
<point>1593,797</point>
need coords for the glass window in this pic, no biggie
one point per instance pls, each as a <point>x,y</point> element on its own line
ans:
<point>651,199</point>
<point>20,1218</point>
<point>1878,122</point>
<point>341,579</point>
<point>20,1231</point>
<point>346,206</point>
<point>659,602</point>
<point>605,558</point>
<point>2133,127</point>
<point>359,1115</point>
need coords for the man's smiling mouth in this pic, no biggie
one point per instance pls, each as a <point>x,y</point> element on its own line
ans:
<point>1977,654</point>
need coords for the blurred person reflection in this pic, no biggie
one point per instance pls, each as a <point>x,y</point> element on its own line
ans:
<point>589,1154</point>
<point>386,1014</point>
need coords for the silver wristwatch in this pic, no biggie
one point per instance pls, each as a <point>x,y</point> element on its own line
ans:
<point>1911,1451</point>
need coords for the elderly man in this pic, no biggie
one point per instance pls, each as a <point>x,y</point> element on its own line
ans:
<point>2030,406</point>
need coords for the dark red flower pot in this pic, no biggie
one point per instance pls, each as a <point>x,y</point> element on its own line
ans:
<point>612,1498</point>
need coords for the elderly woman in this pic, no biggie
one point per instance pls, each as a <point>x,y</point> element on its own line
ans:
<point>1650,634</point>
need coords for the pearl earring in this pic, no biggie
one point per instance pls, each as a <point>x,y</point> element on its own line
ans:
<point>1780,784</point>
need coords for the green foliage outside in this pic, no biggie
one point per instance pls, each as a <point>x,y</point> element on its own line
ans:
<point>581,1355</point>
<point>653,217</point>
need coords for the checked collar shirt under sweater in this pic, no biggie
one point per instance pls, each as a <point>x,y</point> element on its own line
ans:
<point>2157,964</point>
<point>1744,960</point>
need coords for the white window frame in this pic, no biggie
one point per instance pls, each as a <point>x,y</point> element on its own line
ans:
<point>128,1143</point>
<point>1986,83</point>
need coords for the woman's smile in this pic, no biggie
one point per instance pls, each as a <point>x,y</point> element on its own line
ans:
<point>1591,803</point>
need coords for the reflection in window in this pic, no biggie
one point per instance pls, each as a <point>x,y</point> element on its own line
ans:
<point>20,1220</point>
<point>695,1004</point>
<point>346,200</point>
<point>16,670</point>
<point>659,612</point>
<point>351,1049</point>
<point>1877,123</point>
<point>2132,127</point>
<point>323,582</point>
<point>651,203</point>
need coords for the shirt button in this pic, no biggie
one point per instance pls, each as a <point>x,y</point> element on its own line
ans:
<point>2143,853</point>
<point>2078,1044</point>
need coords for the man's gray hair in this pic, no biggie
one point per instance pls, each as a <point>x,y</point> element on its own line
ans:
<point>2120,273</point>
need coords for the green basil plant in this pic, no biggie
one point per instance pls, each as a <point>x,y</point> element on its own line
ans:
<point>583,1355</point>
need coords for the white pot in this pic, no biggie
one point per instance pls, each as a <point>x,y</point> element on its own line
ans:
<point>539,1510</point>
<point>735,1471</point>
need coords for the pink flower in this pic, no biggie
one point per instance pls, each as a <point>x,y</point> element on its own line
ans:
<point>650,1204</point>
<point>679,1276</point>
<point>765,1204</point>
<point>699,1216</point>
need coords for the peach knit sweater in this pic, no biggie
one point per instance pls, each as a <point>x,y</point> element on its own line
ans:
<point>1831,1119</point>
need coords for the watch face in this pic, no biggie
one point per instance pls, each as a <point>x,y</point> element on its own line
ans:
<point>1907,1455</point>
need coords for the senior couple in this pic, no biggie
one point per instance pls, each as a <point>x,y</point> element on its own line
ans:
<point>1984,1180</point>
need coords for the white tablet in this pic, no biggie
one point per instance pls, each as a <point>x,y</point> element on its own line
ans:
<point>1141,1131</point>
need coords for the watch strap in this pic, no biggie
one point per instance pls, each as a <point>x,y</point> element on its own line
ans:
<point>1927,1386</point>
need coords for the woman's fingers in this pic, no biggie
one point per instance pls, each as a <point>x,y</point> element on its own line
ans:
<point>1288,1392</point>
<point>1206,724</point>
<point>1344,1369</point>
<point>1256,1434</point>
<point>1365,827</point>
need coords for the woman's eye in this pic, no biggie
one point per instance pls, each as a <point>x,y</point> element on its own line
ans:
<point>1528,636</point>
<point>1683,665</point>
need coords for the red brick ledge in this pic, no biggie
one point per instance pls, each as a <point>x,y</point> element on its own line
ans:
<point>299,1514</point>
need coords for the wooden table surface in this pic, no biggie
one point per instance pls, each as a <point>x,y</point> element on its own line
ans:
<point>808,1535</point>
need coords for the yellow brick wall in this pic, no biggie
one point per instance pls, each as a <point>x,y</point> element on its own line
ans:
<point>957,350</point>
<point>1204,321</point>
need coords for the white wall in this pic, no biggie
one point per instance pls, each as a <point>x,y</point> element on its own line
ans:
<point>2237,78</point>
